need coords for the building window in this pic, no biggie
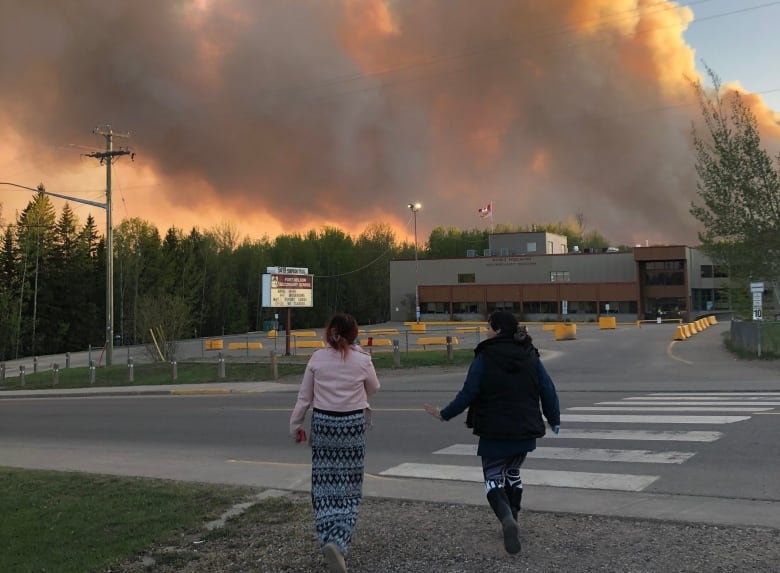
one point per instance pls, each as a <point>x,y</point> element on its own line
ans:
<point>465,307</point>
<point>540,307</point>
<point>531,248</point>
<point>664,273</point>
<point>583,307</point>
<point>467,278</point>
<point>559,277</point>
<point>706,271</point>
<point>434,307</point>
<point>550,247</point>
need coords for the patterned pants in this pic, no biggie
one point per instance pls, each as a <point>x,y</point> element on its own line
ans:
<point>502,472</point>
<point>338,447</point>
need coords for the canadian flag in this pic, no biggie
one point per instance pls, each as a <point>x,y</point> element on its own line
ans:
<point>486,211</point>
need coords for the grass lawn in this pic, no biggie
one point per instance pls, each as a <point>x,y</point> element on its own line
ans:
<point>207,373</point>
<point>73,522</point>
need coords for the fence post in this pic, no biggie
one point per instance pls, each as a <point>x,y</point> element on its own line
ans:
<point>35,364</point>
<point>55,374</point>
<point>67,360</point>
<point>221,366</point>
<point>21,375</point>
<point>274,365</point>
<point>2,371</point>
<point>91,372</point>
<point>396,353</point>
<point>130,370</point>
<point>449,347</point>
<point>174,371</point>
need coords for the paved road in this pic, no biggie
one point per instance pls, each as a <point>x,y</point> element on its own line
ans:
<point>651,428</point>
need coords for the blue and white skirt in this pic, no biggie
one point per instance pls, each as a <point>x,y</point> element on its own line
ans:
<point>338,448</point>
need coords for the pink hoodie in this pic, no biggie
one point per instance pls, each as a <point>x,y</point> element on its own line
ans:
<point>335,384</point>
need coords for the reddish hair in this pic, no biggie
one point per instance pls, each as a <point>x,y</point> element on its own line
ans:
<point>341,332</point>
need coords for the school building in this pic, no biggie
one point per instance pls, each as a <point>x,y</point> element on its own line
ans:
<point>537,277</point>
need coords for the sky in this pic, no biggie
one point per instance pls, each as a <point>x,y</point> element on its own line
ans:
<point>270,117</point>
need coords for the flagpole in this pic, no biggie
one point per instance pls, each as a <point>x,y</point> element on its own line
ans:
<point>492,223</point>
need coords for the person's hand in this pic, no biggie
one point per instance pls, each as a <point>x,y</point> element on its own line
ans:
<point>555,429</point>
<point>434,411</point>
<point>300,435</point>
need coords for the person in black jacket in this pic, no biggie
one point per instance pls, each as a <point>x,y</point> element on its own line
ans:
<point>503,389</point>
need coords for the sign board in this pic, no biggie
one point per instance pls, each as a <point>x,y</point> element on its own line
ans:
<point>288,290</point>
<point>757,289</point>
<point>287,270</point>
<point>564,307</point>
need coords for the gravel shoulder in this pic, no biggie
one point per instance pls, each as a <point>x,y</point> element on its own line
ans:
<point>277,535</point>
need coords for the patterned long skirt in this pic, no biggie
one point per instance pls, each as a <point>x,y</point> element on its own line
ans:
<point>338,447</point>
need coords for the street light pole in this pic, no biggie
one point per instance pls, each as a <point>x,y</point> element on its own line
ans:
<point>414,207</point>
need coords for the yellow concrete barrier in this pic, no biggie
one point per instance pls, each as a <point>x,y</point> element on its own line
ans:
<point>302,333</point>
<point>213,344</point>
<point>565,331</point>
<point>607,322</point>
<point>272,334</point>
<point>712,319</point>
<point>470,328</point>
<point>245,346</point>
<point>693,327</point>
<point>376,342</point>
<point>549,326</point>
<point>417,328</point>
<point>686,330</point>
<point>388,330</point>
<point>309,343</point>
<point>680,334</point>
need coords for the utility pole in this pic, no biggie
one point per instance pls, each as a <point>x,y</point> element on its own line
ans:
<point>106,158</point>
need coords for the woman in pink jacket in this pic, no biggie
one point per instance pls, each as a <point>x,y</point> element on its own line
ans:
<point>337,382</point>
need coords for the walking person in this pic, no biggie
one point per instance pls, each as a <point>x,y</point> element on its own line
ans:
<point>502,391</point>
<point>337,382</point>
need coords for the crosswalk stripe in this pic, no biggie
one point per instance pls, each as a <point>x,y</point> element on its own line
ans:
<point>652,435</point>
<point>638,419</point>
<point>588,454</point>
<point>698,402</point>
<point>684,394</point>
<point>553,478</point>
<point>670,408</point>
<point>704,397</point>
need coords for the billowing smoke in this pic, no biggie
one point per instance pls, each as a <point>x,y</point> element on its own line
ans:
<point>283,116</point>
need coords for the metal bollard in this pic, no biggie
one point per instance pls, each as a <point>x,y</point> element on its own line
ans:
<point>174,371</point>
<point>91,372</point>
<point>274,365</point>
<point>67,360</point>
<point>221,368</point>
<point>35,364</point>
<point>2,371</point>
<point>55,374</point>
<point>396,353</point>
<point>21,375</point>
<point>130,370</point>
<point>449,347</point>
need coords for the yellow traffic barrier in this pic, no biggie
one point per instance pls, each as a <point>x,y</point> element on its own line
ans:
<point>693,327</point>
<point>213,344</point>
<point>245,346</point>
<point>417,328</point>
<point>549,326</point>
<point>607,322</point>
<point>371,341</point>
<point>680,334</point>
<point>565,331</point>
<point>687,330</point>
<point>308,333</point>
<point>388,330</point>
<point>272,334</point>
<point>309,343</point>
<point>712,319</point>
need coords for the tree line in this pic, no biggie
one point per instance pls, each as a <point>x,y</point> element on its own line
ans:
<point>198,284</point>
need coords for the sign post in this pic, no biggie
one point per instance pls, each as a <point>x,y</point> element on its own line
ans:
<point>288,287</point>
<point>757,290</point>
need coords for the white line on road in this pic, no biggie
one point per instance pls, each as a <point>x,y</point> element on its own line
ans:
<point>589,454</point>
<point>652,435</point>
<point>686,408</point>
<point>697,402</point>
<point>584,480</point>
<point>636,419</point>
<point>708,397</point>
<point>684,394</point>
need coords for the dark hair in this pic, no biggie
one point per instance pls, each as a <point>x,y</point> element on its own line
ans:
<point>506,322</point>
<point>341,332</point>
